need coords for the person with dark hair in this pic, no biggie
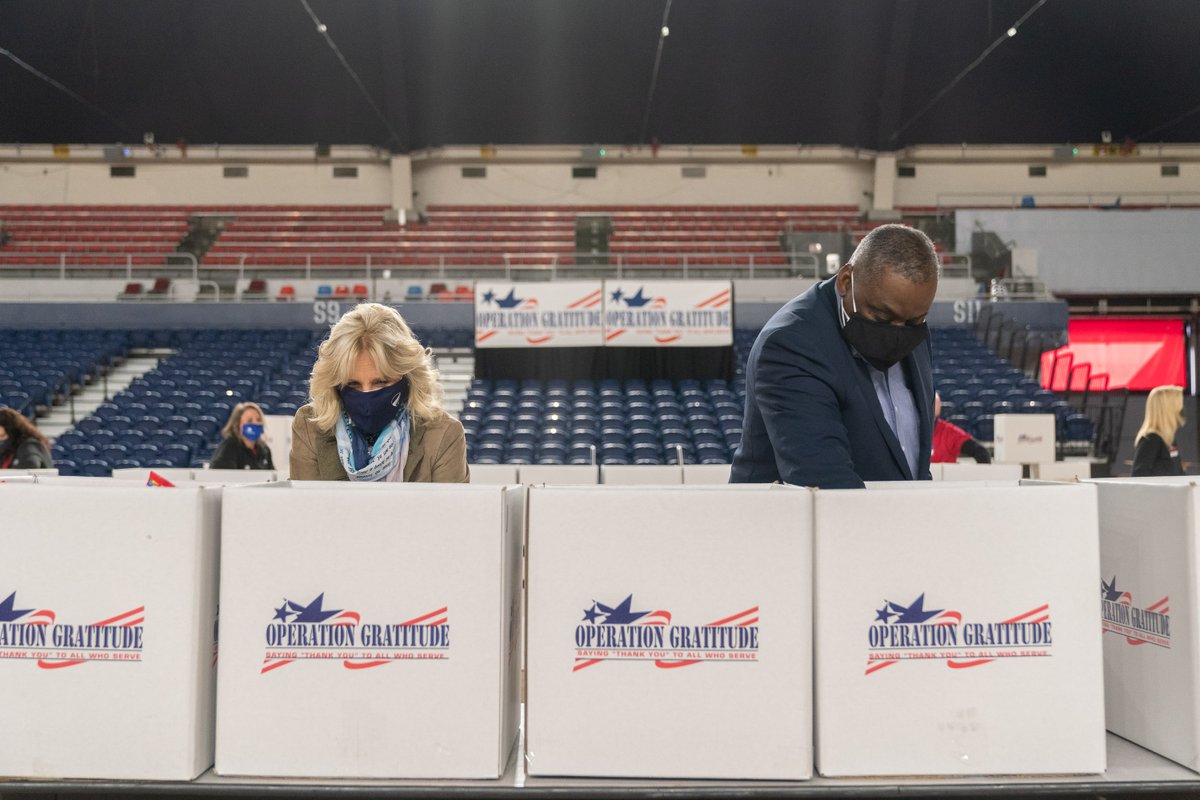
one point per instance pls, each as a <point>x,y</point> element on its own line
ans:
<point>839,383</point>
<point>243,447</point>
<point>951,441</point>
<point>22,445</point>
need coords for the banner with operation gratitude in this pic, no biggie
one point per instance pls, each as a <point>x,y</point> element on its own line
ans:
<point>558,314</point>
<point>668,313</point>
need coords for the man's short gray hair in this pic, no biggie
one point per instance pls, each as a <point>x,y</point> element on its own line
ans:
<point>904,250</point>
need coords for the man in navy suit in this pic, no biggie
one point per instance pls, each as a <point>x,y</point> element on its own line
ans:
<point>839,384</point>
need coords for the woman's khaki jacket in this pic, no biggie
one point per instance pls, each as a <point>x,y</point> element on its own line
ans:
<point>437,451</point>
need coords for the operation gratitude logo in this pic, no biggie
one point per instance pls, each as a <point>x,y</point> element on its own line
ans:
<point>537,320</point>
<point>1149,625</point>
<point>38,635</point>
<point>618,633</point>
<point>913,632</point>
<point>311,632</point>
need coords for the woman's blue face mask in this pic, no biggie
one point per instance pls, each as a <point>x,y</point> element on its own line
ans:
<point>370,412</point>
<point>252,432</point>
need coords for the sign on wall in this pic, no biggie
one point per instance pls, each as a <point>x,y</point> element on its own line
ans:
<point>621,313</point>
<point>668,313</point>
<point>559,314</point>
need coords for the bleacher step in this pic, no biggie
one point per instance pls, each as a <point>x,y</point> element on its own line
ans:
<point>136,364</point>
<point>457,369</point>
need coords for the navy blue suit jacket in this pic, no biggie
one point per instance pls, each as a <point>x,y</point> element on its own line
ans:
<point>812,415</point>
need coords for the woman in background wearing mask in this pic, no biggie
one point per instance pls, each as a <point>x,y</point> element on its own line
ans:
<point>22,446</point>
<point>376,411</point>
<point>1154,451</point>
<point>243,447</point>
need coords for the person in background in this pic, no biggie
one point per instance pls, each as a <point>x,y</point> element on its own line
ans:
<point>839,383</point>
<point>22,445</point>
<point>243,447</point>
<point>376,411</point>
<point>1154,451</point>
<point>951,441</point>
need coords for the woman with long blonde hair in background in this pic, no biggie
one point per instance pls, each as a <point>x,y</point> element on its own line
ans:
<point>376,411</point>
<point>1154,450</point>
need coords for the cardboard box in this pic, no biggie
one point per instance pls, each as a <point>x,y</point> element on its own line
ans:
<point>641,474</point>
<point>977,472</point>
<point>494,474</point>
<point>1073,469</point>
<point>1148,550</point>
<point>560,474</point>
<point>108,603</point>
<point>230,476</point>
<point>369,630</point>
<point>1024,438</point>
<point>277,434</point>
<point>706,474</point>
<point>669,632</point>
<point>142,474</point>
<point>955,631</point>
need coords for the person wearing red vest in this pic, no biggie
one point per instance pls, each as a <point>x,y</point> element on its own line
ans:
<point>951,441</point>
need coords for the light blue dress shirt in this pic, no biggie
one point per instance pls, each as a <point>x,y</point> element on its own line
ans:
<point>899,409</point>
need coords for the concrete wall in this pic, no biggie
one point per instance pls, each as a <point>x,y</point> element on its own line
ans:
<point>1097,252</point>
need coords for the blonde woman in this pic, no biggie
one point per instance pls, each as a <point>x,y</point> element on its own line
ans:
<point>376,411</point>
<point>242,446</point>
<point>1154,450</point>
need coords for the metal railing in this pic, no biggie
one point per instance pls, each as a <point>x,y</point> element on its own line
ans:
<point>951,201</point>
<point>956,265</point>
<point>523,265</point>
<point>365,271</point>
<point>129,266</point>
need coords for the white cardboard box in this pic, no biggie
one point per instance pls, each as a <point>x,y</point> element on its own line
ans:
<point>560,474</point>
<point>233,476</point>
<point>1072,469</point>
<point>973,471</point>
<point>108,603</point>
<point>142,474</point>
<point>612,568</point>
<point>641,474</point>
<point>955,631</point>
<point>709,474</point>
<point>1024,438</point>
<point>494,474</point>
<point>369,631</point>
<point>1148,552</point>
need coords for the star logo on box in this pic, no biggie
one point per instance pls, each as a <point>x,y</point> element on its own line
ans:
<point>310,632</point>
<point>618,632</point>
<point>912,632</point>
<point>1139,625</point>
<point>37,634</point>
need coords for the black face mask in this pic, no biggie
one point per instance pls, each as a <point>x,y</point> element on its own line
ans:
<point>880,343</point>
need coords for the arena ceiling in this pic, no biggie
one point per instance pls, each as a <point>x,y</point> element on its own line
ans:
<point>437,72</point>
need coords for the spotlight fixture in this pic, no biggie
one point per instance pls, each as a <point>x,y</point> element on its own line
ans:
<point>1012,32</point>
<point>666,31</point>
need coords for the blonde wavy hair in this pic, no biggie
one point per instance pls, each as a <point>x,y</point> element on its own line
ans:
<point>381,332</point>
<point>1164,413</point>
